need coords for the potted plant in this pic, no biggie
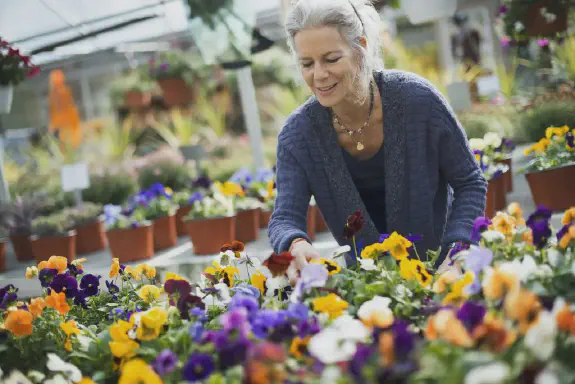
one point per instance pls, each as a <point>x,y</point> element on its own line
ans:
<point>551,173</point>
<point>248,218</point>
<point>133,91</point>
<point>3,240</point>
<point>15,68</point>
<point>500,150</point>
<point>16,218</point>
<point>130,237</point>
<point>184,200</point>
<point>156,204</point>
<point>535,18</point>
<point>88,221</point>
<point>52,236</point>
<point>211,222</point>
<point>175,76</point>
<point>494,173</point>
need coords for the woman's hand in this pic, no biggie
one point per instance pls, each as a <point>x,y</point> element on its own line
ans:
<point>303,253</point>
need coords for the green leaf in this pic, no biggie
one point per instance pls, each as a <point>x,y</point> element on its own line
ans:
<point>99,376</point>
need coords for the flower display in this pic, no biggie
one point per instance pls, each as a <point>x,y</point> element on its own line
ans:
<point>556,149</point>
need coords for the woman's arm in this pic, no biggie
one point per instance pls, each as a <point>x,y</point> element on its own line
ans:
<point>289,219</point>
<point>457,163</point>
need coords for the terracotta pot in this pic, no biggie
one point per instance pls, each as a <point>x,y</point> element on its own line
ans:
<point>137,99</point>
<point>501,192</point>
<point>131,244</point>
<point>22,247</point>
<point>90,237</point>
<point>2,256</point>
<point>45,247</point>
<point>180,224</point>
<point>265,217</point>
<point>508,175</point>
<point>553,188</point>
<point>248,225</point>
<point>495,196</point>
<point>208,235</point>
<point>165,232</point>
<point>320,224</point>
<point>535,23</point>
<point>311,221</point>
<point>176,91</point>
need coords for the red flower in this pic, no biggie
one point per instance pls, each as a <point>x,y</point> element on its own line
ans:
<point>13,52</point>
<point>278,264</point>
<point>236,246</point>
<point>33,71</point>
<point>353,225</point>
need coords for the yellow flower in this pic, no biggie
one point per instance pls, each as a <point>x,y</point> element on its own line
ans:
<point>79,262</point>
<point>146,270</point>
<point>230,189</point>
<point>372,251</point>
<point>299,346</point>
<point>331,304</point>
<point>270,189</point>
<point>150,323</point>
<point>567,237</point>
<point>86,380</point>
<point>497,282</point>
<point>444,280</point>
<point>133,272</point>
<point>412,269</point>
<point>515,210</point>
<point>70,328</point>
<point>136,371</point>
<point>556,131</point>
<point>504,223</point>
<point>149,293</point>
<point>457,288</point>
<point>169,191</point>
<point>258,280</point>
<point>397,245</point>
<point>540,146</point>
<point>19,322</point>
<point>568,216</point>
<point>31,272</point>
<point>332,266</point>
<point>219,272</point>
<point>173,276</point>
<point>445,325</point>
<point>55,262</point>
<point>115,268</point>
<point>121,345</point>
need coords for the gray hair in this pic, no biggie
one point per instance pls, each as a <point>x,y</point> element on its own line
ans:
<point>353,19</point>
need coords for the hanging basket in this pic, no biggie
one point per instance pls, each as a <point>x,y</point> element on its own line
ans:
<point>137,99</point>
<point>536,24</point>
<point>176,91</point>
<point>6,93</point>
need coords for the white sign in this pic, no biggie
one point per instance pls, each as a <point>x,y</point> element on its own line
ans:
<point>423,11</point>
<point>75,177</point>
<point>488,85</point>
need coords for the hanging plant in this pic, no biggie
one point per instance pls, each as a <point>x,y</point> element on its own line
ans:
<point>535,18</point>
<point>208,9</point>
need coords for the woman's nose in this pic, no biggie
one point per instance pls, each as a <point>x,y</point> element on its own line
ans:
<point>319,72</point>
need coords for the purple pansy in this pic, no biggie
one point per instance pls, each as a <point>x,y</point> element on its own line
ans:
<point>186,303</point>
<point>539,224</point>
<point>471,315</point>
<point>481,224</point>
<point>112,288</point>
<point>476,261</point>
<point>165,362</point>
<point>246,289</point>
<point>66,284</point>
<point>312,276</point>
<point>198,367</point>
<point>46,276</point>
<point>249,303</point>
<point>90,284</point>
<point>236,319</point>
<point>8,294</point>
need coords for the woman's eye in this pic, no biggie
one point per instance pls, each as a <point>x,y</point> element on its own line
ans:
<point>331,61</point>
<point>306,65</point>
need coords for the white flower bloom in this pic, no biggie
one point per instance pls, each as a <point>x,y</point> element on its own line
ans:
<point>547,376</point>
<point>492,236</point>
<point>58,379</point>
<point>56,364</point>
<point>16,377</point>
<point>350,328</point>
<point>330,375</point>
<point>492,139</point>
<point>518,26</point>
<point>554,256</point>
<point>338,342</point>
<point>219,299</point>
<point>543,271</point>
<point>402,291</point>
<point>340,251</point>
<point>493,373</point>
<point>540,339</point>
<point>524,269</point>
<point>477,144</point>
<point>367,264</point>
<point>376,311</point>
<point>84,341</point>
<point>275,285</point>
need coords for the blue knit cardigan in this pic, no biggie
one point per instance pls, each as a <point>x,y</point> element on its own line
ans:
<point>434,186</point>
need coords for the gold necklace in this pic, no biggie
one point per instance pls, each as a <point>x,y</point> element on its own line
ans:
<point>351,132</point>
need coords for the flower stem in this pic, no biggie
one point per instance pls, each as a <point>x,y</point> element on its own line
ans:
<point>355,248</point>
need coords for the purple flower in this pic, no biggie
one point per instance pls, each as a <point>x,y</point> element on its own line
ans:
<point>186,303</point>
<point>196,331</point>
<point>242,176</point>
<point>312,276</point>
<point>74,270</point>
<point>362,355</point>
<point>236,319</point>
<point>165,362</point>
<point>502,9</point>
<point>246,289</point>
<point>80,298</point>
<point>458,248</point>
<point>199,367</point>
<point>164,67</point>
<point>563,231</point>
<point>402,340</point>
<point>116,314</point>
<point>196,196</point>
<point>481,224</point>
<point>219,339</point>
<point>308,327</point>
<point>199,314</point>
<point>112,288</point>
<point>202,182</point>
<point>539,224</point>
<point>46,276</point>
<point>249,303</point>
<point>297,311</point>
<point>8,295</point>
<point>471,315</point>
<point>264,321</point>
<point>90,284</point>
<point>505,41</point>
<point>412,238</point>
<point>66,284</point>
<point>543,42</point>
<point>476,261</point>
<point>263,175</point>
<point>181,287</point>
<point>234,352</point>
<point>570,140</point>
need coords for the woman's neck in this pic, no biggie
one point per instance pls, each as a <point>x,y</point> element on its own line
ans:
<point>354,114</point>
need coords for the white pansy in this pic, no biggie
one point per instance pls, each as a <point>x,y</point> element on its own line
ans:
<point>56,364</point>
<point>36,376</point>
<point>340,251</point>
<point>492,139</point>
<point>477,144</point>
<point>554,256</point>
<point>493,373</point>
<point>276,284</point>
<point>330,375</point>
<point>402,291</point>
<point>378,306</point>
<point>220,298</point>
<point>338,342</point>
<point>547,376</point>
<point>540,338</point>
<point>16,377</point>
<point>58,379</point>
<point>492,236</point>
<point>367,264</point>
<point>350,328</point>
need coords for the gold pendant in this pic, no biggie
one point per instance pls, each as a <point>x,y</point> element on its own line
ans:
<point>360,147</point>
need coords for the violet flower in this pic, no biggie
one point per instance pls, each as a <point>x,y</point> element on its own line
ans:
<point>186,303</point>
<point>165,363</point>
<point>236,319</point>
<point>196,331</point>
<point>112,288</point>
<point>476,260</point>
<point>298,311</point>
<point>481,224</point>
<point>471,315</point>
<point>246,289</point>
<point>312,276</point>
<point>66,284</point>
<point>74,270</point>
<point>90,284</point>
<point>361,357</point>
<point>249,303</point>
<point>46,276</point>
<point>562,232</point>
<point>233,353</point>
<point>8,294</point>
<point>402,340</point>
<point>308,327</point>
<point>539,224</point>
<point>199,367</point>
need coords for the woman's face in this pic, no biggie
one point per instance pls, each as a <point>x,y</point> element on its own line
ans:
<point>327,64</point>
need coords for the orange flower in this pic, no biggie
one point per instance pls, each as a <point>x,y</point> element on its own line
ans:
<point>492,336</point>
<point>497,282</point>
<point>566,320</point>
<point>114,268</point>
<point>58,302</point>
<point>445,325</point>
<point>278,263</point>
<point>567,237</point>
<point>36,306</point>
<point>55,262</point>
<point>299,346</point>
<point>386,349</point>
<point>527,236</point>
<point>19,322</point>
<point>504,223</point>
<point>523,307</point>
<point>569,216</point>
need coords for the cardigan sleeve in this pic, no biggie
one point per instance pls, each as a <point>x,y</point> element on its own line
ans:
<point>289,219</point>
<point>457,163</point>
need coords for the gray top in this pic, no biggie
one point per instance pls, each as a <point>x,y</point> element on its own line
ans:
<point>433,185</point>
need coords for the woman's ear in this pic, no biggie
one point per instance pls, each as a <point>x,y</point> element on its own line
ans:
<point>363,41</point>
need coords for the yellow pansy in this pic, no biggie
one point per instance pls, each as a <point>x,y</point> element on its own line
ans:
<point>504,223</point>
<point>299,346</point>
<point>567,237</point>
<point>149,323</point>
<point>136,371</point>
<point>149,293</point>
<point>173,276</point>
<point>413,269</point>
<point>70,328</point>
<point>31,272</point>
<point>540,146</point>
<point>146,270</point>
<point>230,189</point>
<point>332,266</point>
<point>55,262</point>
<point>86,380</point>
<point>219,272</point>
<point>114,268</point>
<point>372,251</point>
<point>556,131</point>
<point>568,216</point>
<point>397,245</point>
<point>133,272</point>
<point>122,346</point>
<point>457,288</point>
<point>258,280</point>
<point>79,262</point>
<point>331,304</point>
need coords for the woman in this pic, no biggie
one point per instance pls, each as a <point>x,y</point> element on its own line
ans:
<point>382,142</point>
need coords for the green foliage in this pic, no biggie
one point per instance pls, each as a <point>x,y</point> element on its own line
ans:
<point>57,224</point>
<point>160,206</point>
<point>133,82</point>
<point>168,174</point>
<point>15,67</point>
<point>173,64</point>
<point>110,188</point>
<point>85,214</point>
<point>536,120</point>
<point>566,56</point>
<point>499,119</point>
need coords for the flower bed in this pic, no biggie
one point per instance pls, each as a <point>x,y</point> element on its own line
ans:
<point>507,317</point>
